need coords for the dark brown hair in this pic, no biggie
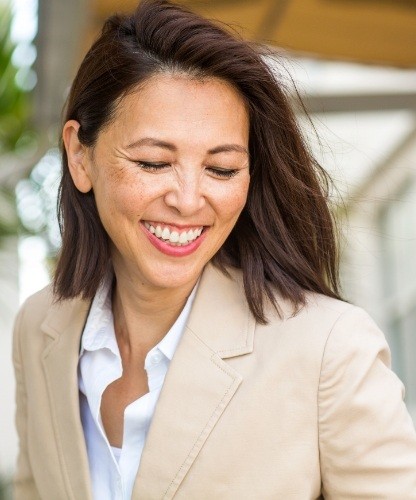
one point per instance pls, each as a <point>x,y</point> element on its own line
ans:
<point>284,239</point>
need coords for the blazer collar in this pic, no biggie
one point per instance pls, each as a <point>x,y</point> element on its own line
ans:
<point>220,315</point>
<point>199,384</point>
<point>197,389</point>
<point>63,327</point>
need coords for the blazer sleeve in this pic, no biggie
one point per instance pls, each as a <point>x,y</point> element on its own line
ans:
<point>366,436</point>
<point>24,487</point>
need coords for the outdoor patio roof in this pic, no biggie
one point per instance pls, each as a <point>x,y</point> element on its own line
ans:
<point>371,31</point>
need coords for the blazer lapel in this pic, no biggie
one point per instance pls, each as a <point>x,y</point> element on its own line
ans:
<point>63,327</point>
<point>199,384</point>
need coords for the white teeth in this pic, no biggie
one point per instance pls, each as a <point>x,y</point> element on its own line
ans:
<point>183,238</point>
<point>174,237</point>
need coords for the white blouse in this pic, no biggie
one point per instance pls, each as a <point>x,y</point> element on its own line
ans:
<point>113,470</point>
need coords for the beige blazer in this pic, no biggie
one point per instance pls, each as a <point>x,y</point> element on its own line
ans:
<point>303,407</point>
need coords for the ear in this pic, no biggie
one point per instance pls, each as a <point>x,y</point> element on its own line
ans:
<point>78,161</point>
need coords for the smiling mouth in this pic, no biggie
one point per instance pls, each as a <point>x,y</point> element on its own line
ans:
<point>174,237</point>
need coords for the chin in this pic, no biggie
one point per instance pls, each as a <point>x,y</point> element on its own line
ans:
<point>168,276</point>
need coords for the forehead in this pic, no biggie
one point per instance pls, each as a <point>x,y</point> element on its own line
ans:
<point>181,88</point>
<point>178,104</point>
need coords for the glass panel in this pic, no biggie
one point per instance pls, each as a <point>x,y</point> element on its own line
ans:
<point>409,338</point>
<point>398,240</point>
<point>398,233</point>
<point>396,343</point>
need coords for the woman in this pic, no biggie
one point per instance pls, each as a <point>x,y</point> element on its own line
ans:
<point>193,344</point>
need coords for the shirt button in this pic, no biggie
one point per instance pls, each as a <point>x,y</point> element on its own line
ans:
<point>155,358</point>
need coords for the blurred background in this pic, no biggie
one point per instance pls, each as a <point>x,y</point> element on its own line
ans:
<point>354,64</point>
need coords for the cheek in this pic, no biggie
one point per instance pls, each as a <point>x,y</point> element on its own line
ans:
<point>115,202</point>
<point>126,195</point>
<point>233,200</point>
<point>119,207</point>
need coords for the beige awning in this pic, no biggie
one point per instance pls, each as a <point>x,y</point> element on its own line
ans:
<point>369,31</point>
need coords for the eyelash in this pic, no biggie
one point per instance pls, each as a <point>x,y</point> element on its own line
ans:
<point>222,172</point>
<point>151,167</point>
<point>219,172</point>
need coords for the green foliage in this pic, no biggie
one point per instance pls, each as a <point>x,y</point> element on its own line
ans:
<point>13,100</point>
<point>9,221</point>
<point>14,112</point>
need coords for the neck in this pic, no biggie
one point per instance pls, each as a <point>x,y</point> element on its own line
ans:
<point>143,314</point>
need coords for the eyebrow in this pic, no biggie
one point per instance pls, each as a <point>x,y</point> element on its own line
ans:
<point>149,141</point>
<point>228,148</point>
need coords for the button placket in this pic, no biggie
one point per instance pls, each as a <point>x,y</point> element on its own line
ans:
<point>155,358</point>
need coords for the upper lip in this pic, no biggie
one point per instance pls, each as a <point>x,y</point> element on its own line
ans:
<point>174,225</point>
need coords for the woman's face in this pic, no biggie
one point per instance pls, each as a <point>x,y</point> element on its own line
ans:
<point>170,176</point>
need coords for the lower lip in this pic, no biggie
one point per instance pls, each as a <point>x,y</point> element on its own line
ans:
<point>173,251</point>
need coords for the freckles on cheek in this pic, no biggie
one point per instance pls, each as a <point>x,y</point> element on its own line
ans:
<point>127,202</point>
<point>234,202</point>
<point>124,195</point>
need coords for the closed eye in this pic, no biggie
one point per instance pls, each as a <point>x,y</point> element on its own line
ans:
<point>152,166</point>
<point>224,173</point>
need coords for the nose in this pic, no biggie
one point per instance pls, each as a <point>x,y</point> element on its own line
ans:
<point>185,195</point>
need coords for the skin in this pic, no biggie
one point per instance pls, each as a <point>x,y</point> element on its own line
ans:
<point>195,133</point>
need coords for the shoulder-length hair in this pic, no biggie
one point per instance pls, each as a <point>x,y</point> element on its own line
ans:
<point>284,239</point>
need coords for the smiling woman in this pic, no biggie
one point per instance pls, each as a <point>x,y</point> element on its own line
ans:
<point>193,344</point>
